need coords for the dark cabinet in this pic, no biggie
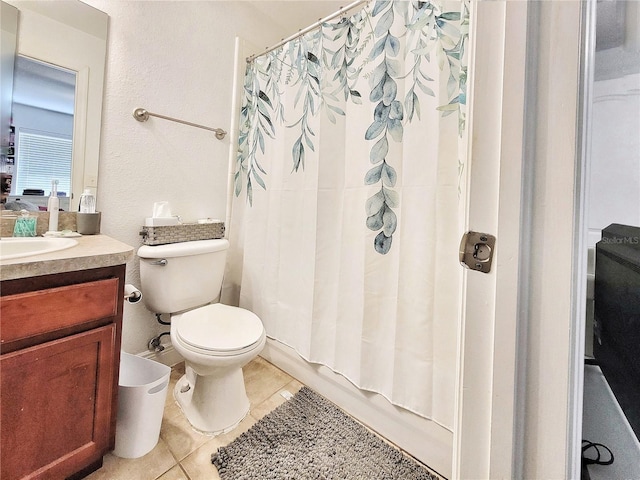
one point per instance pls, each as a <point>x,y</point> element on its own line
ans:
<point>60,338</point>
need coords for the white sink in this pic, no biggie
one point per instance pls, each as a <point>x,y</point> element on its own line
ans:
<point>18,247</point>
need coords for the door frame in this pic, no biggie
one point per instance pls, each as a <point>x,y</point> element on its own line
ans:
<point>518,394</point>
<point>485,444</point>
<point>580,241</point>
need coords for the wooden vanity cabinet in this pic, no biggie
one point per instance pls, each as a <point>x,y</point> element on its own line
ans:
<point>59,360</point>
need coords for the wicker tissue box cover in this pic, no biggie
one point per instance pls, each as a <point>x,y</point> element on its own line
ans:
<point>185,232</point>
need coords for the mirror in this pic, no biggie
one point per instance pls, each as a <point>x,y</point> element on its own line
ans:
<point>59,72</point>
<point>9,33</point>
<point>42,125</point>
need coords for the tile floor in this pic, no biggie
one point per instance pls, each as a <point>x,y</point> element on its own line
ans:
<point>184,454</point>
<point>605,422</point>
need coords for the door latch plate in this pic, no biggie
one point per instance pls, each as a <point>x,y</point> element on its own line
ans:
<point>476,251</point>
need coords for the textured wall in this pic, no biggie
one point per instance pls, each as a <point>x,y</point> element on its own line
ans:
<point>614,155</point>
<point>173,58</point>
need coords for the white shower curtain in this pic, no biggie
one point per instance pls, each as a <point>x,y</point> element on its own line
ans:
<point>346,220</point>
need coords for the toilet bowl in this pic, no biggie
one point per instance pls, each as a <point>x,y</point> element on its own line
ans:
<point>184,279</point>
<point>216,341</point>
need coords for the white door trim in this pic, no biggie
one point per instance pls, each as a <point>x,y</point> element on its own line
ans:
<point>581,232</point>
<point>518,392</point>
<point>549,403</point>
<point>485,439</point>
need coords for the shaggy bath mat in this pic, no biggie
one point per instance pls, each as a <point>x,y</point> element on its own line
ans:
<point>309,438</point>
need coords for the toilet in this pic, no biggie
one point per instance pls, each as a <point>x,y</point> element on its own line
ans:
<point>184,280</point>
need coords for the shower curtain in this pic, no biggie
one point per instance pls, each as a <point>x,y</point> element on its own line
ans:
<point>348,200</point>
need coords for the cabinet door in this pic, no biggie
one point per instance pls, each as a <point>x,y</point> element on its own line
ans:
<point>56,405</point>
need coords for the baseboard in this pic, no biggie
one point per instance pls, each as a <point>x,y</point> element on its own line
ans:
<point>169,356</point>
<point>423,439</point>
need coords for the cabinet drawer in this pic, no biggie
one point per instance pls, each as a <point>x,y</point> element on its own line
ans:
<point>30,314</point>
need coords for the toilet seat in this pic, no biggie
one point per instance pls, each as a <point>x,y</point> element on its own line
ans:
<point>219,329</point>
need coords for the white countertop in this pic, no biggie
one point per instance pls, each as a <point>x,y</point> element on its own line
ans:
<point>92,251</point>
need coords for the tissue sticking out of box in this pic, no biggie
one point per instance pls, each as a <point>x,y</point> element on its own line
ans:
<point>161,210</point>
<point>161,216</point>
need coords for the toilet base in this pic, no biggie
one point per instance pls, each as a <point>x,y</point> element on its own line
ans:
<point>213,404</point>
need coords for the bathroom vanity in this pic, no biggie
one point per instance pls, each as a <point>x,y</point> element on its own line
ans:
<point>60,331</point>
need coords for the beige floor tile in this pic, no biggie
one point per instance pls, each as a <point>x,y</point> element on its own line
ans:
<point>171,408</point>
<point>177,371</point>
<point>263,380</point>
<point>275,400</point>
<point>178,440</point>
<point>152,465</point>
<point>227,438</point>
<point>180,437</point>
<point>176,473</point>
<point>198,464</point>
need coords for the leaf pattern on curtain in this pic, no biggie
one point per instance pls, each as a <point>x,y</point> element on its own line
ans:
<point>326,64</point>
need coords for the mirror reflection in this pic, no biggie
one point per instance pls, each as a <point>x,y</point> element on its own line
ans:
<point>52,131</point>
<point>42,119</point>
<point>8,38</point>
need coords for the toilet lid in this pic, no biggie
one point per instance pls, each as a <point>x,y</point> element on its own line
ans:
<point>220,328</point>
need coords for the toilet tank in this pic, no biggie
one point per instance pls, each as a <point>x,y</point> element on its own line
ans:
<point>180,276</point>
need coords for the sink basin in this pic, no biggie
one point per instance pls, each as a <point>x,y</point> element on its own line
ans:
<point>18,247</point>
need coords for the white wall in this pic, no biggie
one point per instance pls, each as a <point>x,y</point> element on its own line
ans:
<point>41,121</point>
<point>176,59</point>
<point>26,116</point>
<point>8,31</point>
<point>614,196</point>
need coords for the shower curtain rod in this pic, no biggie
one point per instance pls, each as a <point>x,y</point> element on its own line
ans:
<point>342,10</point>
<point>143,115</point>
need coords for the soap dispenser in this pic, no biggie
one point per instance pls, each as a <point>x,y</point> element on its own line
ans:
<point>87,202</point>
<point>53,206</point>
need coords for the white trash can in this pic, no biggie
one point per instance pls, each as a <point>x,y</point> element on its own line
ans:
<point>142,391</point>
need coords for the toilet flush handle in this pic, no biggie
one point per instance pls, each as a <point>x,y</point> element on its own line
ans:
<point>162,262</point>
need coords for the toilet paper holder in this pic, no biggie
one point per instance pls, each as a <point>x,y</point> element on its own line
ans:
<point>132,294</point>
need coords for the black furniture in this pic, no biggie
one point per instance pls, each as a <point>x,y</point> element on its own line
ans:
<point>617,316</point>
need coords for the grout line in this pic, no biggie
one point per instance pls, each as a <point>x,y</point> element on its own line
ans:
<point>168,470</point>
<point>184,471</point>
